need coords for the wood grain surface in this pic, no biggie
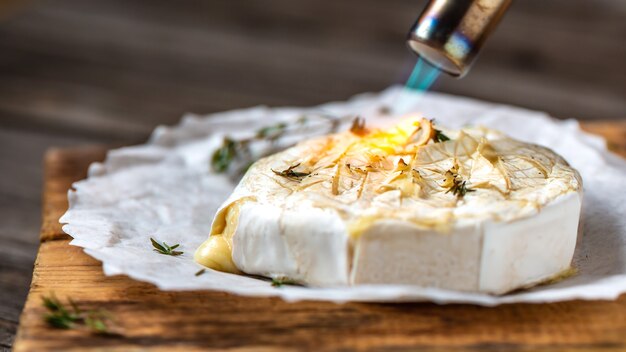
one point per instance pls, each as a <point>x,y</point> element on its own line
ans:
<point>76,72</point>
<point>149,319</point>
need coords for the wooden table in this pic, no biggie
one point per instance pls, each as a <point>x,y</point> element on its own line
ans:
<point>151,319</point>
<point>75,72</point>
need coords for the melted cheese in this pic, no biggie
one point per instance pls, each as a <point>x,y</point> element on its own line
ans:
<point>216,251</point>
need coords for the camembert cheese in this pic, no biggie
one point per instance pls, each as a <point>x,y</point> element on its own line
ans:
<point>470,210</point>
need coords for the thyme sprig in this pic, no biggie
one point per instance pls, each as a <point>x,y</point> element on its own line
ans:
<point>164,248</point>
<point>58,316</point>
<point>282,281</point>
<point>272,132</point>
<point>61,317</point>
<point>224,155</point>
<point>440,137</point>
<point>459,188</point>
<point>291,174</point>
<point>456,184</point>
<point>234,153</point>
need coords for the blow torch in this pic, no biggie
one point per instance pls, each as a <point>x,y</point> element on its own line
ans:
<point>449,33</point>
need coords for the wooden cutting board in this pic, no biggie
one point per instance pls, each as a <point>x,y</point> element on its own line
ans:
<point>149,319</point>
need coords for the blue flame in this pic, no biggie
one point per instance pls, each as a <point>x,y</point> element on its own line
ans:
<point>423,76</point>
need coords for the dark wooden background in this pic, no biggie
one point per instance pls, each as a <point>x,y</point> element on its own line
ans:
<point>76,72</point>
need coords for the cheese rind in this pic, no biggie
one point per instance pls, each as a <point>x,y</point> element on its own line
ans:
<point>277,243</point>
<point>532,249</point>
<point>491,257</point>
<point>377,209</point>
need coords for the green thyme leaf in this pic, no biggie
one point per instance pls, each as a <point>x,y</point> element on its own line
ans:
<point>52,303</point>
<point>272,132</point>
<point>60,317</point>
<point>96,322</point>
<point>458,187</point>
<point>440,137</point>
<point>237,152</point>
<point>159,247</point>
<point>282,281</point>
<point>59,321</point>
<point>164,248</point>
<point>200,272</point>
<point>224,155</point>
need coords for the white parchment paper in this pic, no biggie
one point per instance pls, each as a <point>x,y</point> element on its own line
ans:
<point>165,189</point>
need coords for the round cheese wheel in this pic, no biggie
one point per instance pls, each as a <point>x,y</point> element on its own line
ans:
<point>470,210</point>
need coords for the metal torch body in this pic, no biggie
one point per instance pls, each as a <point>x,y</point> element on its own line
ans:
<point>450,33</point>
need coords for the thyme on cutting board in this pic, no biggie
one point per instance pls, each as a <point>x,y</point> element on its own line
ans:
<point>61,317</point>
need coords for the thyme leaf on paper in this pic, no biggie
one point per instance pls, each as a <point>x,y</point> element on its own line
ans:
<point>279,282</point>
<point>289,173</point>
<point>200,272</point>
<point>61,317</point>
<point>272,132</point>
<point>384,110</point>
<point>224,155</point>
<point>164,248</point>
<point>234,156</point>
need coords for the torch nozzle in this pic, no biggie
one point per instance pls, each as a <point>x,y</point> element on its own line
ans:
<point>449,33</point>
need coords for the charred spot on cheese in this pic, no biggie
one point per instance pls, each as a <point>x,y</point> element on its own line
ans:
<point>358,127</point>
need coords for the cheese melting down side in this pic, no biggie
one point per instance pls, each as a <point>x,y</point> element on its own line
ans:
<point>470,210</point>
